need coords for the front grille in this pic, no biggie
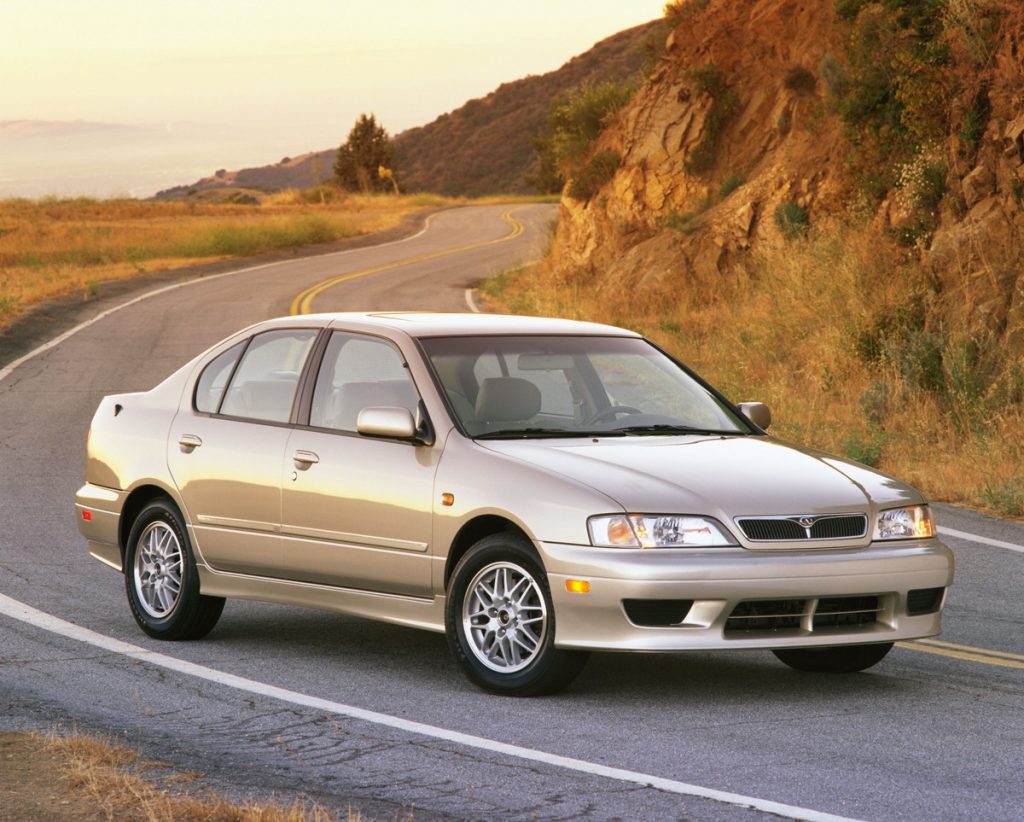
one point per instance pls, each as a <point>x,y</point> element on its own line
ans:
<point>845,612</point>
<point>766,615</point>
<point>798,528</point>
<point>924,601</point>
<point>656,613</point>
<point>787,615</point>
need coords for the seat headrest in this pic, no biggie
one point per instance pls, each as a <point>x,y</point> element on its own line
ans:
<point>507,399</point>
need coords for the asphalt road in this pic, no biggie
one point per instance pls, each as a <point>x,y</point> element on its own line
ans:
<point>284,700</point>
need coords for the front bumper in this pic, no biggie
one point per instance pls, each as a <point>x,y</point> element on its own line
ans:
<point>718,581</point>
<point>102,506</point>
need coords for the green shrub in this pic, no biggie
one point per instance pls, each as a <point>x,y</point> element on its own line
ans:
<point>254,239</point>
<point>577,118</point>
<point>1007,497</point>
<point>729,185</point>
<point>683,222</point>
<point>849,9</point>
<point>792,220</point>
<point>710,80</point>
<point>833,75</point>
<point>976,118</point>
<point>864,447</point>
<point>679,11</point>
<point>800,80</point>
<point>598,170</point>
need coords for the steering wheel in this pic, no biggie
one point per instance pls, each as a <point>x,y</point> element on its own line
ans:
<point>611,411</point>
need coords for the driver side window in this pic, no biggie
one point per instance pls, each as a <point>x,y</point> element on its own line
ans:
<point>359,372</point>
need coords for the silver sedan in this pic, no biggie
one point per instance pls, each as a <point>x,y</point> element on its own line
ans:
<point>533,488</point>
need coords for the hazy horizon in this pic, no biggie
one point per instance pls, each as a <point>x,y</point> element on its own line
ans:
<point>181,88</point>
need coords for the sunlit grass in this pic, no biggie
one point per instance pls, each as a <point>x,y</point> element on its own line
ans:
<point>124,785</point>
<point>791,332</point>
<point>51,246</point>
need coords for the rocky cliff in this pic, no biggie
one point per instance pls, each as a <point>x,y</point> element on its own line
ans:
<point>742,137</point>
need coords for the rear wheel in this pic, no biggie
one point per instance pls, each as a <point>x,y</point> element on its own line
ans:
<point>841,659</point>
<point>501,623</point>
<point>161,578</point>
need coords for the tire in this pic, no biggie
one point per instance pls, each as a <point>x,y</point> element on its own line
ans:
<point>161,579</point>
<point>841,659</point>
<point>506,645</point>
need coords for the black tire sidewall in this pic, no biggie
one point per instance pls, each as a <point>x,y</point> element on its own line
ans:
<point>539,676</point>
<point>175,624</point>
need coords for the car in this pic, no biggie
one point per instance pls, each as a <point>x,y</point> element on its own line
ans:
<point>534,488</point>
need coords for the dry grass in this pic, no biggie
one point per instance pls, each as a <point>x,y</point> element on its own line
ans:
<point>816,330</point>
<point>111,775</point>
<point>51,247</point>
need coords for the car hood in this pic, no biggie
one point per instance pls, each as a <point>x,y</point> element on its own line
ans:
<point>722,476</point>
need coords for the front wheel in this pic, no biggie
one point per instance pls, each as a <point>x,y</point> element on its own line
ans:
<point>161,579</point>
<point>841,659</point>
<point>501,623</point>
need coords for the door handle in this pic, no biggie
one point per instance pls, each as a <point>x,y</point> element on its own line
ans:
<point>189,443</point>
<point>304,459</point>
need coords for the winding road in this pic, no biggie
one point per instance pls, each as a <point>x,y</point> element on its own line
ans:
<point>286,701</point>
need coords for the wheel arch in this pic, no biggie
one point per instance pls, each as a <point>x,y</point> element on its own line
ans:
<point>475,530</point>
<point>137,500</point>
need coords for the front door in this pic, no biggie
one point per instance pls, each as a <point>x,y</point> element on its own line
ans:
<point>356,511</point>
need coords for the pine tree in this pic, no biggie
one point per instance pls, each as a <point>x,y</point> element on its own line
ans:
<point>367,149</point>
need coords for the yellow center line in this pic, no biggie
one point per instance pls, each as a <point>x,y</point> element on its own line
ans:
<point>304,300</point>
<point>969,653</point>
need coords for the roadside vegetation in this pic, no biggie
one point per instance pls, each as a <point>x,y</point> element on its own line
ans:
<point>92,779</point>
<point>838,321</point>
<point>846,361</point>
<point>53,247</point>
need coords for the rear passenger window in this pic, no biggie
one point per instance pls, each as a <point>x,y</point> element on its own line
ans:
<point>263,387</point>
<point>359,372</point>
<point>214,379</point>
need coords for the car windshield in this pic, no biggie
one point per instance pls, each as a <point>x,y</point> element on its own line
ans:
<point>556,386</point>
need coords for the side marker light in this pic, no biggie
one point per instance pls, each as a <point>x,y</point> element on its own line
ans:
<point>577,586</point>
<point>87,515</point>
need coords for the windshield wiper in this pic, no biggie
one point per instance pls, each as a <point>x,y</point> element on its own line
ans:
<point>662,428</point>
<point>529,433</point>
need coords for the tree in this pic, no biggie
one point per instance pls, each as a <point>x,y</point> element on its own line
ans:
<point>367,149</point>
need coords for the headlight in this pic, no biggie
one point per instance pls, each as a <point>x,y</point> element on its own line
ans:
<point>912,522</point>
<point>656,531</point>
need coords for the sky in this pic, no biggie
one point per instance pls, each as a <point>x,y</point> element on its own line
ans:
<point>249,79</point>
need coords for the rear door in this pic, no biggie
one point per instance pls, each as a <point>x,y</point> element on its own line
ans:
<point>225,452</point>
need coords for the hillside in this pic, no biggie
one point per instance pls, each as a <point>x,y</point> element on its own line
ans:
<point>483,147</point>
<point>818,204</point>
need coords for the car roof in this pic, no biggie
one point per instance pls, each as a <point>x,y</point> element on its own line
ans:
<point>431,324</point>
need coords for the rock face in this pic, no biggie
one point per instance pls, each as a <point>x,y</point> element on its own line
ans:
<point>978,257</point>
<point>734,122</point>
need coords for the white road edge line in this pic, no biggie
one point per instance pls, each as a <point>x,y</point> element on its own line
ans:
<point>35,352</point>
<point>995,543</point>
<point>39,619</point>
<point>471,300</point>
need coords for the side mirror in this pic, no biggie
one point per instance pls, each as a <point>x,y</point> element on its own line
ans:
<point>385,421</point>
<point>758,413</point>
